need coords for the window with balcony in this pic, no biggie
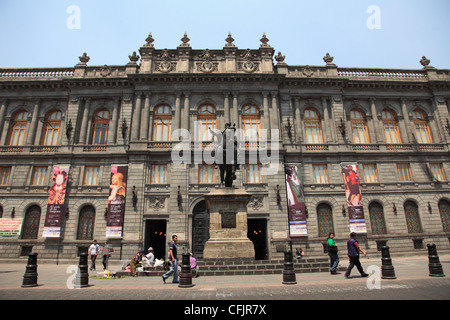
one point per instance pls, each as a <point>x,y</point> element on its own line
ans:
<point>206,119</point>
<point>359,127</point>
<point>251,122</point>
<point>17,129</point>
<point>99,128</point>
<point>52,126</point>
<point>162,123</point>
<point>390,126</point>
<point>421,126</point>
<point>313,126</point>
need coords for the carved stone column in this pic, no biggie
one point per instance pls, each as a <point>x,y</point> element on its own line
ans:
<point>298,120</point>
<point>236,109</point>
<point>112,132</point>
<point>177,117</point>
<point>145,117</point>
<point>136,117</point>
<point>266,117</point>
<point>186,115</point>
<point>84,121</point>
<point>3,106</point>
<point>34,121</point>
<point>226,105</point>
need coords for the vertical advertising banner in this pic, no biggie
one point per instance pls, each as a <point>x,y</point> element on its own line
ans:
<point>116,201</point>
<point>354,200</point>
<point>296,201</point>
<point>55,203</point>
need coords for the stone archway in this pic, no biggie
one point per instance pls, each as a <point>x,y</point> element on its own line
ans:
<point>200,228</point>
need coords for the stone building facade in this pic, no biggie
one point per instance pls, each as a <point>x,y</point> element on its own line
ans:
<point>392,123</point>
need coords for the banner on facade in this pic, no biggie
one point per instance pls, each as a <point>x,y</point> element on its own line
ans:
<point>55,203</point>
<point>10,227</point>
<point>296,201</point>
<point>354,199</point>
<point>116,201</point>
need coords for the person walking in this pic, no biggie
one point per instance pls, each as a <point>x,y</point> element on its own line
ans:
<point>93,251</point>
<point>353,256</point>
<point>333,253</point>
<point>106,253</point>
<point>173,257</point>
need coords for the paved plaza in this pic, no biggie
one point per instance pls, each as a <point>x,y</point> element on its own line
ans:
<point>413,282</point>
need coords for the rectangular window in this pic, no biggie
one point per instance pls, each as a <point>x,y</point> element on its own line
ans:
<point>91,176</point>
<point>438,171</point>
<point>404,172</point>
<point>254,173</point>
<point>206,173</point>
<point>320,173</point>
<point>4,175</point>
<point>159,173</point>
<point>38,177</point>
<point>370,173</point>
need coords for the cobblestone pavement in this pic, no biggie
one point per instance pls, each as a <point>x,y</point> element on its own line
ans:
<point>413,282</point>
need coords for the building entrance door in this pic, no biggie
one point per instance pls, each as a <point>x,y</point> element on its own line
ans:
<point>200,229</point>
<point>155,231</point>
<point>257,233</point>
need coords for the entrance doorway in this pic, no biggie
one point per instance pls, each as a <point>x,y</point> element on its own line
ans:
<point>257,233</point>
<point>155,237</point>
<point>200,229</point>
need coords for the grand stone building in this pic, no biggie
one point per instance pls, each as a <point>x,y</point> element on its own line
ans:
<point>392,123</point>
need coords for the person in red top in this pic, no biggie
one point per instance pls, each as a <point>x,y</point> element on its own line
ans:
<point>353,256</point>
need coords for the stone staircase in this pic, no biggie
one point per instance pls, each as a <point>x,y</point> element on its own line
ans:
<point>227,267</point>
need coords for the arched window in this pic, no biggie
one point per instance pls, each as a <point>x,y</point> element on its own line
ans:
<point>444,210</point>
<point>52,125</point>
<point>324,219</point>
<point>251,122</point>
<point>162,123</point>
<point>17,129</point>
<point>390,125</point>
<point>86,223</point>
<point>313,126</point>
<point>421,126</point>
<point>359,127</point>
<point>100,124</point>
<point>376,214</point>
<point>412,217</point>
<point>30,227</point>
<point>206,118</point>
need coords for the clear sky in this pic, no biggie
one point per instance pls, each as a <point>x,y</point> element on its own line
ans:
<point>35,33</point>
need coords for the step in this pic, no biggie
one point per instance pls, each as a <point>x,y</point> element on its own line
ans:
<point>226,267</point>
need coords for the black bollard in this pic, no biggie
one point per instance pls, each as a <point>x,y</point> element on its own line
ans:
<point>434,265</point>
<point>82,276</point>
<point>30,277</point>
<point>288,270</point>
<point>185,274</point>
<point>387,269</point>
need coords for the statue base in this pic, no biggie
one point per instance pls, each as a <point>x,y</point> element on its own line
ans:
<point>228,224</point>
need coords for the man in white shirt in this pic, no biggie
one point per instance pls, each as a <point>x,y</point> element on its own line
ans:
<point>93,251</point>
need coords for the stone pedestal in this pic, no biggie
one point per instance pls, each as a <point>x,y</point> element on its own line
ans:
<point>228,224</point>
